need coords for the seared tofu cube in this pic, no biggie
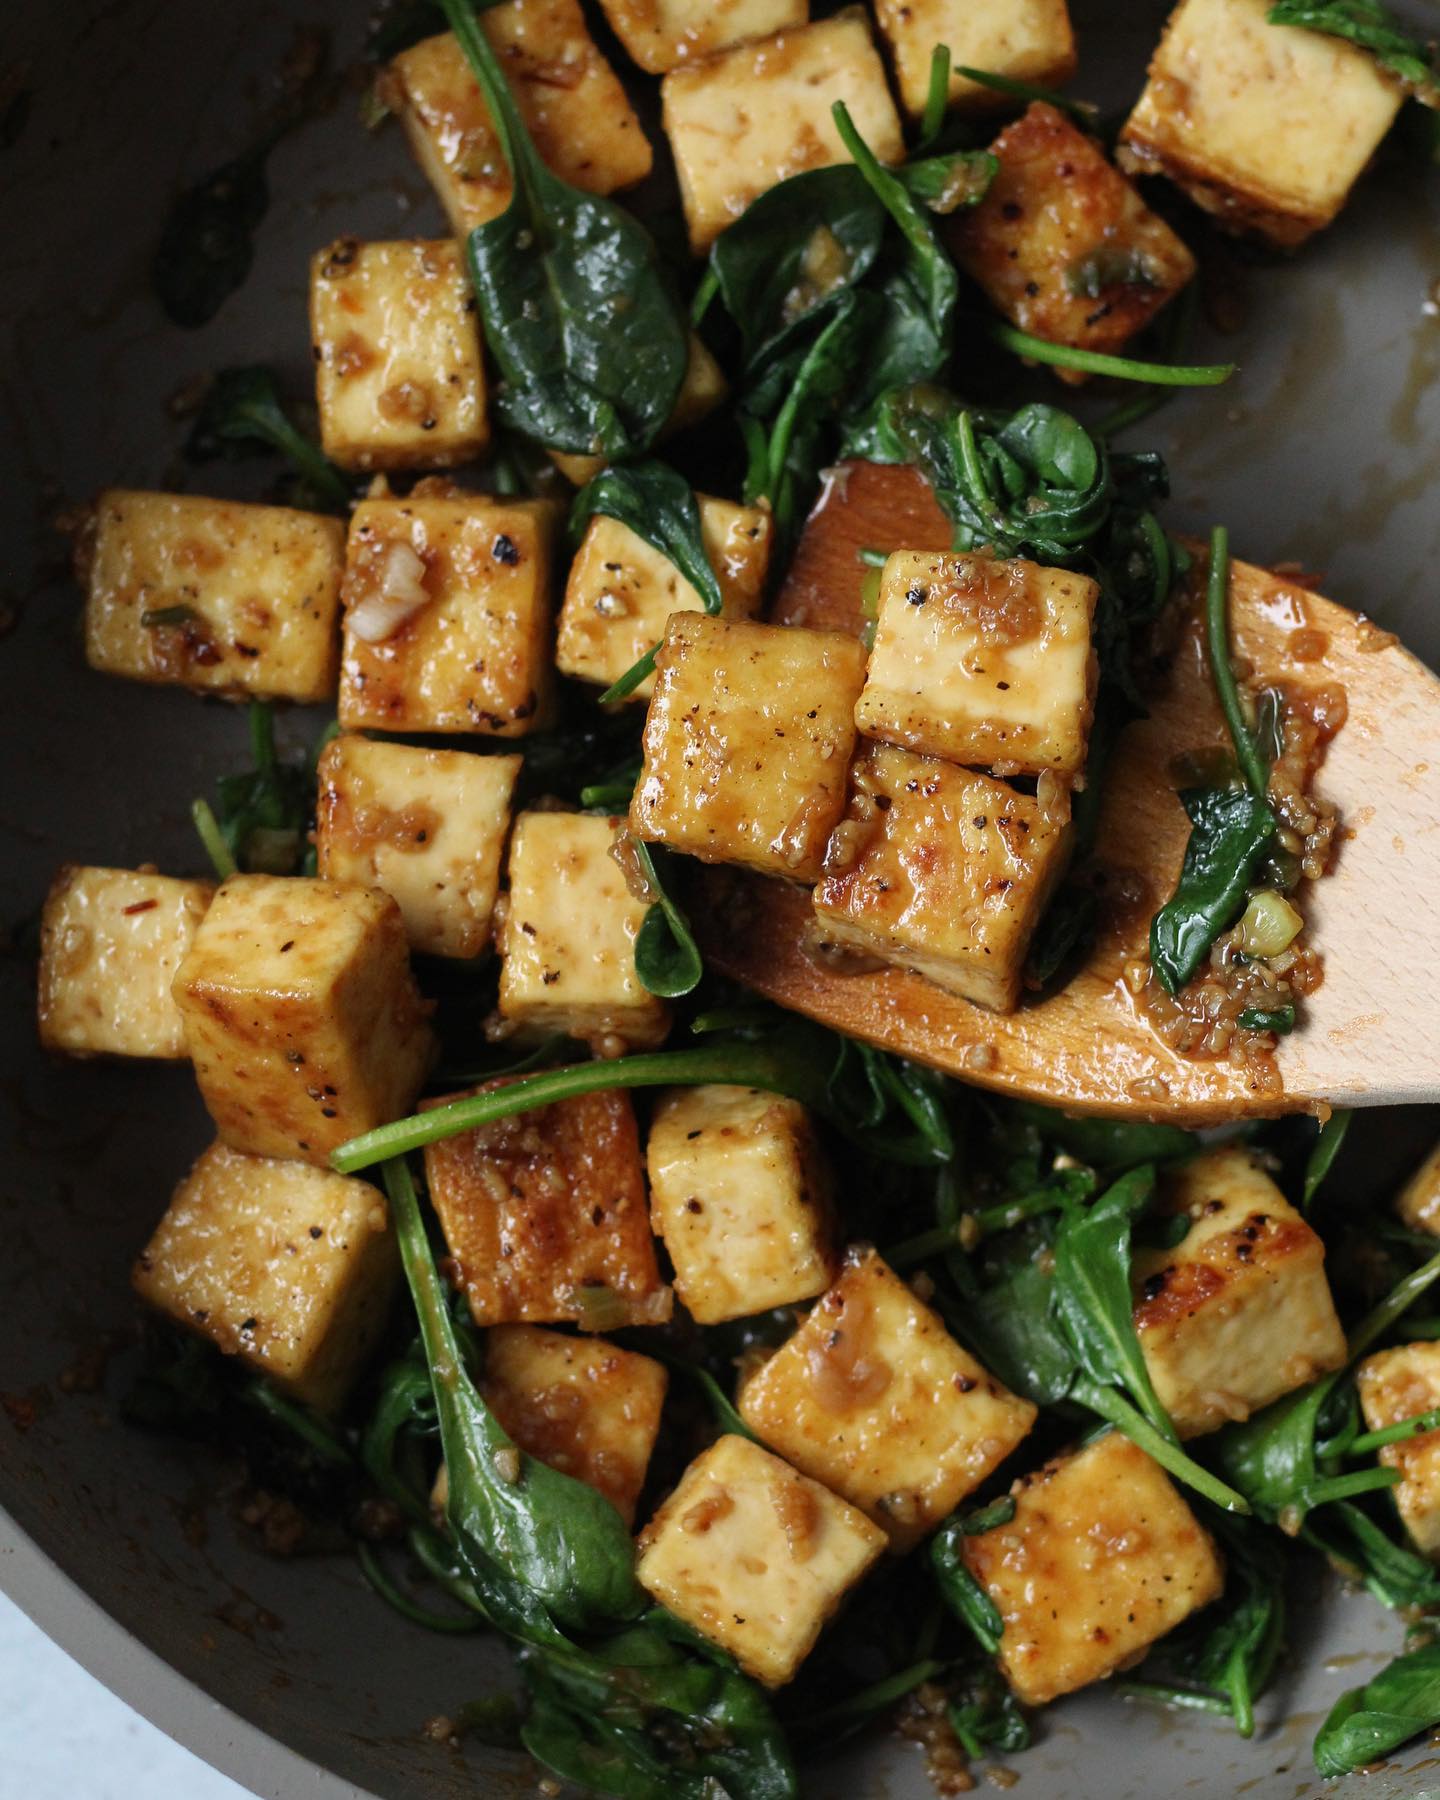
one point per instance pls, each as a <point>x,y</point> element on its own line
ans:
<point>1265,126</point>
<point>214,595</point>
<point>874,1398</point>
<point>982,661</point>
<point>1395,1385</point>
<point>290,1268</point>
<point>110,943</point>
<point>1239,1312</point>
<point>622,590</point>
<point>941,870</point>
<point>1063,245</point>
<point>747,118</point>
<point>301,1015</point>
<point>398,376</point>
<point>544,1215</point>
<point>448,615</point>
<point>1418,1202</point>
<point>662,34</point>
<point>1101,1559</point>
<point>746,744</point>
<point>754,1556</point>
<point>1027,40</point>
<point>568,938</point>
<point>740,1193</point>
<point>702,389</point>
<point>570,98</point>
<point>427,826</point>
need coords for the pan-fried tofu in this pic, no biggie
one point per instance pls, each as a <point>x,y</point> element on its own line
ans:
<point>702,389</point>
<point>570,98</point>
<point>398,377</point>
<point>754,1556</point>
<point>290,1268</point>
<point>1063,245</point>
<point>983,662</point>
<point>1265,126</point>
<point>110,943</point>
<point>301,1015</point>
<point>1239,1312</point>
<point>622,590</point>
<point>740,1193</point>
<point>214,595</point>
<point>743,120</point>
<point>474,654</point>
<point>427,826</point>
<point>746,743</point>
<point>1395,1385</point>
<point>568,938</point>
<point>544,1215</point>
<point>941,870</point>
<point>1026,40</point>
<point>874,1398</point>
<point>662,34</point>
<point>1418,1202</point>
<point>1101,1559</point>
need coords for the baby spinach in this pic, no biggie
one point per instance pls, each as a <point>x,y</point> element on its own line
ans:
<point>1322,1155</point>
<point>590,342</point>
<point>1230,831</point>
<point>937,95</point>
<point>988,1718</point>
<point>959,1589</point>
<point>1222,672</point>
<point>1116,1144</point>
<point>261,818</point>
<point>1083,112</point>
<point>1368,1722</point>
<point>1374,28</point>
<point>242,412</point>
<point>667,958</point>
<point>1099,362</point>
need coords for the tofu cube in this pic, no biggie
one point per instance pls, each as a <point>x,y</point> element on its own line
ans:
<point>746,743</point>
<point>702,389</point>
<point>568,937</point>
<point>301,1015</point>
<point>1239,1312</point>
<point>474,655</point>
<point>427,826</point>
<point>1265,126</point>
<point>568,95</point>
<point>982,661</point>
<point>741,1195</point>
<point>754,1556</point>
<point>1418,1202</point>
<point>941,870</point>
<point>544,1215</point>
<point>1063,245</point>
<point>1101,1559</point>
<point>1395,1385</point>
<point>622,591</point>
<point>873,1398</point>
<point>662,34</point>
<point>214,595</point>
<point>747,118</point>
<point>110,943</point>
<point>399,382</point>
<point>290,1268</point>
<point>1028,40</point>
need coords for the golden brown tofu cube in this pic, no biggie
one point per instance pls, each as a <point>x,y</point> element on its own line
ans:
<point>741,1195</point>
<point>1395,1385</point>
<point>301,1015</point>
<point>941,870</point>
<point>874,1398</point>
<point>662,34</point>
<point>982,661</point>
<point>544,1215</point>
<point>1418,1202</point>
<point>747,118</point>
<point>746,743</point>
<point>622,590</point>
<point>290,1268</point>
<point>568,938</point>
<point>754,1556</point>
<point>1239,1312</point>
<point>1063,245</point>
<point>570,98</point>
<point>110,943</point>
<point>1265,126</point>
<point>398,377</point>
<point>214,595</point>
<point>1101,1559</point>
<point>1026,40</point>
<point>701,391</point>
<point>448,615</point>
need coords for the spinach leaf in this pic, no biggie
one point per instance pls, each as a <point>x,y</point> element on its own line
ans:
<point>1230,831</point>
<point>590,343</point>
<point>1222,673</point>
<point>667,958</point>
<point>261,819</point>
<point>1279,1019</point>
<point>242,412</point>
<point>1366,1723</point>
<point>207,242</point>
<point>959,1589</point>
<point>1101,362</point>
<point>1322,1155</point>
<point>1391,1571</point>
<point>1373,28</point>
<point>1009,1320</point>
<point>988,1718</point>
<point>1107,1143</point>
<point>1083,112</point>
<point>937,95</point>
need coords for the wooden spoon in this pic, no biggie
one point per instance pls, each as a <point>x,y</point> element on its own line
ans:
<point>1368,1036</point>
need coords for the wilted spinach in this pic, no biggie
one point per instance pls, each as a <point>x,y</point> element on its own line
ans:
<point>1366,1723</point>
<point>260,821</point>
<point>1373,28</point>
<point>242,412</point>
<point>1323,1153</point>
<point>667,958</point>
<point>960,1590</point>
